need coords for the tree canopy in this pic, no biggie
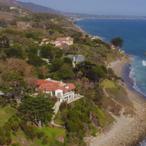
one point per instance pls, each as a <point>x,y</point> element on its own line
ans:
<point>38,110</point>
<point>93,72</point>
<point>50,52</point>
<point>117,42</point>
<point>16,77</point>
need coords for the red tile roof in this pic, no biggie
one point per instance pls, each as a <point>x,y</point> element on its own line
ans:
<point>51,85</point>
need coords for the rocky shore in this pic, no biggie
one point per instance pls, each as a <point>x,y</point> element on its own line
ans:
<point>127,130</point>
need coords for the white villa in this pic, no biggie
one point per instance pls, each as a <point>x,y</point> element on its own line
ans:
<point>63,91</point>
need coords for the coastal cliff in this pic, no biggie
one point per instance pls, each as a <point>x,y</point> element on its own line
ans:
<point>128,129</point>
<point>38,46</point>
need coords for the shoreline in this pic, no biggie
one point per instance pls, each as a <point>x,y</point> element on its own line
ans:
<point>128,130</point>
<point>129,81</point>
<point>86,33</point>
<point>100,18</point>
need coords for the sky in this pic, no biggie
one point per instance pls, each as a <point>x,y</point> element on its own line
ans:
<point>99,7</point>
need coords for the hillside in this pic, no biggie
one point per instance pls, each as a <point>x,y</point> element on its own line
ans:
<point>8,2</point>
<point>36,8</point>
<point>37,46</point>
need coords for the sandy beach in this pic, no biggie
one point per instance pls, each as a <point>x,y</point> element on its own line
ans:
<point>127,130</point>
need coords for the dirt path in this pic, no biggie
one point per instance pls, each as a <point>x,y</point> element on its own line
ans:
<point>56,109</point>
<point>127,130</point>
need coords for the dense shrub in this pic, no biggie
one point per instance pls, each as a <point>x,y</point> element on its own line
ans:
<point>92,71</point>
<point>117,42</point>
<point>65,73</point>
<point>15,144</point>
<point>15,52</point>
<point>29,130</point>
<point>36,61</point>
<point>45,140</point>
<point>4,42</point>
<point>50,52</point>
<point>5,136</point>
<point>13,123</point>
<point>76,118</point>
<point>38,110</point>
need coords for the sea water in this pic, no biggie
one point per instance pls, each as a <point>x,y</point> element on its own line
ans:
<point>133,32</point>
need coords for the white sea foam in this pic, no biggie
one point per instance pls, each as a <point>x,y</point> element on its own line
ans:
<point>144,62</point>
<point>132,76</point>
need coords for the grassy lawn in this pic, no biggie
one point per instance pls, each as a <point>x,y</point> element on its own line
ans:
<point>101,116</point>
<point>20,139</point>
<point>38,142</point>
<point>5,114</point>
<point>108,84</point>
<point>52,133</point>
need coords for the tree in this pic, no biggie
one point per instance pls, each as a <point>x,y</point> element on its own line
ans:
<point>16,78</point>
<point>67,61</point>
<point>32,49</point>
<point>42,72</point>
<point>76,117</point>
<point>14,52</point>
<point>15,85</point>
<point>65,73</point>
<point>33,34</point>
<point>97,72</point>
<point>38,110</point>
<point>5,136</point>
<point>36,61</point>
<point>56,65</point>
<point>92,71</point>
<point>117,42</point>
<point>46,52</point>
<point>4,42</point>
<point>50,52</point>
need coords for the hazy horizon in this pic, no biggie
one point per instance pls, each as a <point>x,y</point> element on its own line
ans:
<point>97,7</point>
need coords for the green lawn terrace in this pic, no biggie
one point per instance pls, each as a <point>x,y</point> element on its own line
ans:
<point>5,113</point>
<point>44,136</point>
<point>52,136</point>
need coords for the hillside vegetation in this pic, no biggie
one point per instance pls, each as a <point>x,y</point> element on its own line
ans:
<point>25,118</point>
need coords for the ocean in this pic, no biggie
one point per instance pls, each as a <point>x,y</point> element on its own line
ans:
<point>133,32</point>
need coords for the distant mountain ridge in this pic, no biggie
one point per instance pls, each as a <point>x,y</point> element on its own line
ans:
<point>8,2</point>
<point>36,8</point>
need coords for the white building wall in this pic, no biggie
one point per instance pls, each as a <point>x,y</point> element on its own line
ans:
<point>59,93</point>
<point>69,96</point>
